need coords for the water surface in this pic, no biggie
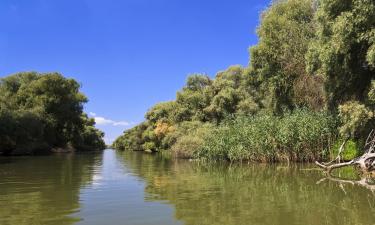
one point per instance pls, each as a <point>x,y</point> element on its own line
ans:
<point>142,189</point>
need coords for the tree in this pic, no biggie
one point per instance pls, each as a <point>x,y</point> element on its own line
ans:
<point>193,98</point>
<point>343,50</point>
<point>278,60</point>
<point>231,93</point>
<point>197,82</point>
<point>89,138</point>
<point>161,111</point>
<point>42,111</point>
<point>59,100</point>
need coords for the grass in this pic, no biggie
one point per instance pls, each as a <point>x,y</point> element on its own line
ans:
<point>298,136</point>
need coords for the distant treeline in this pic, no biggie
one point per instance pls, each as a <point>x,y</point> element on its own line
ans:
<point>309,83</point>
<point>40,113</point>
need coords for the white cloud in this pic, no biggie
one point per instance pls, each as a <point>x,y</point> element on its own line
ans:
<point>121,123</point>
<point>103,121</point>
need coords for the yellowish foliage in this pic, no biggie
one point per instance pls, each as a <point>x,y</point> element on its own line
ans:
<point>163,128</point>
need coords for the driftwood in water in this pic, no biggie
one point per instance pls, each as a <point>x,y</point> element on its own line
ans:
<point>366,161</point>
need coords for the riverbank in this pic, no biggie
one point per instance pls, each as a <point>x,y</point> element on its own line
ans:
<point>47,151</point>
<point>300,136</point>
<point>295,101</point>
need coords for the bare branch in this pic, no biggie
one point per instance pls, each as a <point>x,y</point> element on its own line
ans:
<point>366,162</point>
<point>338,157</point>
<point>331,167</point>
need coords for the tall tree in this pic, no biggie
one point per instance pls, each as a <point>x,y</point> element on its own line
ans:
<point>42,111</point>
<point>278,60</point>
<point>344,49</point>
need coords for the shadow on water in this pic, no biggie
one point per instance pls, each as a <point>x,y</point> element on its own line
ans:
<point>250,194</point>
<point>44,189</point>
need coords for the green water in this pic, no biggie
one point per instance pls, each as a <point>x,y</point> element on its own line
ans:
<point>142,189</point>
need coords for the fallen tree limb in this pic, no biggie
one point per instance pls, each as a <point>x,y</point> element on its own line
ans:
<point>331,167</point>
<point>338,157</point>
<point>366,162</point>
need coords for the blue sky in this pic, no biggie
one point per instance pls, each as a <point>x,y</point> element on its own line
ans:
<point>127,54</point>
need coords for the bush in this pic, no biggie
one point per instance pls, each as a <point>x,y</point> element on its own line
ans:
<point>298,136</point>
<point>350,152</point>
<point>188,143</point>
<point>149,146</point>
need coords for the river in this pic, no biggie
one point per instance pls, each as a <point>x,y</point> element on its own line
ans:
<point>142,189</point>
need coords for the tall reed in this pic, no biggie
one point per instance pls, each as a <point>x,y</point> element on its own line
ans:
<point>298,136</point>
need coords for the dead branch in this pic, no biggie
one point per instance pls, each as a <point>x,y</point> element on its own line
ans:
<point>331,167</point>
<point>338,157</point>
<point>366,162</point>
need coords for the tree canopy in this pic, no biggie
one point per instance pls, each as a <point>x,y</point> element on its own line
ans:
<point>43,111</point>
<point>314,55</point>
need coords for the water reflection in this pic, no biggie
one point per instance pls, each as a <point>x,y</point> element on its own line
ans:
<point>365,182</point>
<point>45,189</point>
<point>136,188</point>
<point>250,194</point>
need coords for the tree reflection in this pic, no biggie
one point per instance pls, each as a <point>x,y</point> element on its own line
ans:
<point>350,176</point>
<point>248,194</point>
<point>366,182</point>
<point>44,190</point>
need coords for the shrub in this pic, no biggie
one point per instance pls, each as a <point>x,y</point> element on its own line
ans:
<point>187,144</point>
<point>149,146</point>
<point>350,152</point>
<point>354,117</point>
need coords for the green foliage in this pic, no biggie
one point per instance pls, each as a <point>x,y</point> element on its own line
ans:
<point>42,111</point>
<point>149,146</point>
<point>201,102</point>
<point>186,145</point>
<point>343,50</point>
<point>371,93</point>
<point>354,117</point>
<point>90,138</point>
<point>197,82</point>
<point>21,131</point>
<point>190,140</point>
<point>181,129</point>
<point>161,111</point>
<point>312,54</point>
<point>132,139</point>
<point>298,136</point>
<point>278,59</point>
<point>350,151</point>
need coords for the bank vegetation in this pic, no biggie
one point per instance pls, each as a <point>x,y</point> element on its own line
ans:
<point>308,87</point>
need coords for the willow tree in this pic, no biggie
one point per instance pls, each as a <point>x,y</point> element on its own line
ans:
<point>278,60</point>
<point>344,49</point>
<point>43,111</point>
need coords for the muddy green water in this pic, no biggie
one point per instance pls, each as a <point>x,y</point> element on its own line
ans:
<point>141,189</point>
